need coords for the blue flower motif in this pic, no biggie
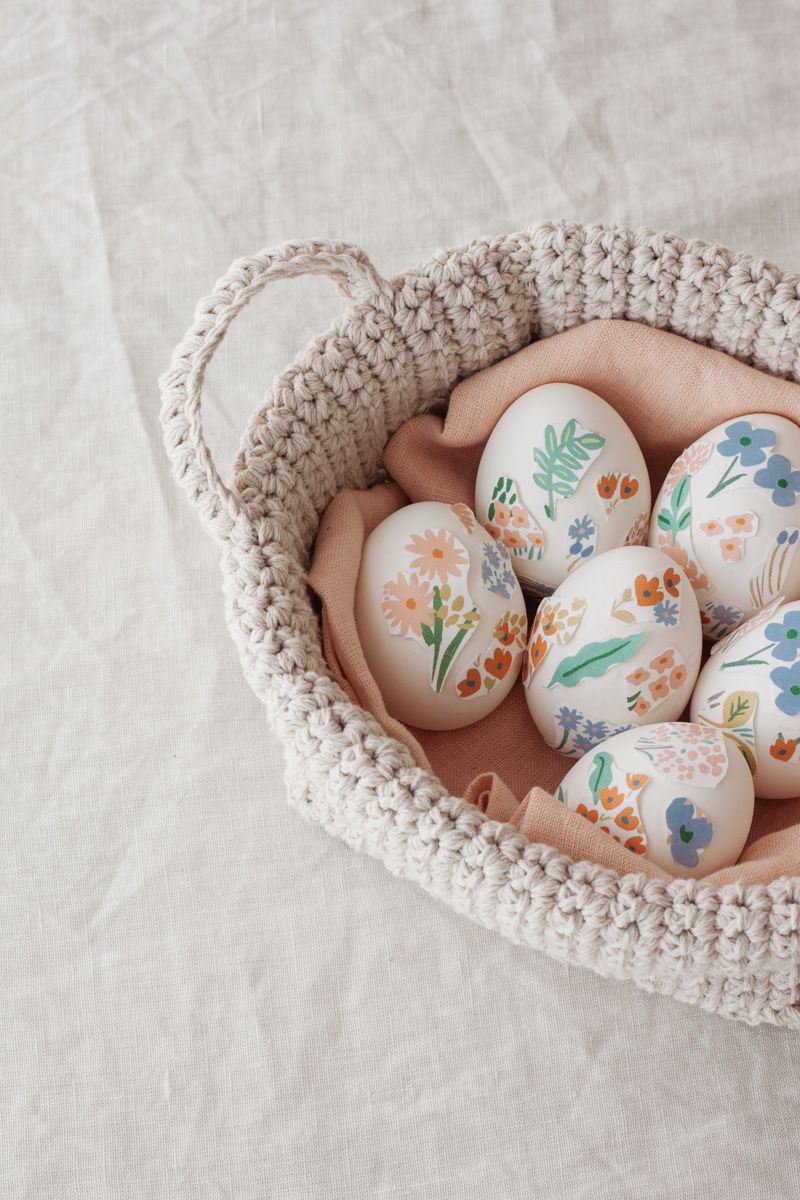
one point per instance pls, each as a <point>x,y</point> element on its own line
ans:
<point>748,442</point>
<point>666,613</point>
<point>779,477</point>
<point>690,831</point>
<point>582,745</point>
<point>568,718</point>
<point>787,679</point>
<point>724,615</point>
<point>596,731</point>
<point>786,636</point>
<point>580,530</point>
<point>492,554</point>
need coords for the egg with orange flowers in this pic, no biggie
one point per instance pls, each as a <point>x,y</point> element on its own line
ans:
<point>678,794</point>
<point>617,645</point>
<point>440,616</point>
<point>561,479</point>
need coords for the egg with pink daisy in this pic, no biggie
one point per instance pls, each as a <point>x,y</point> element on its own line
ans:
<point>728,514</point>
<point>440,616</point>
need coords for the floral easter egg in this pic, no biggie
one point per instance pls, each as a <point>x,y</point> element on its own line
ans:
<point>561,478</point>
<point>750,690</point>
<point>680,795</point>
<point>440,616</point>
<point>729,514</point>
<point>617,645</point>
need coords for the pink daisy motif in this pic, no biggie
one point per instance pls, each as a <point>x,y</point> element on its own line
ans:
<point>742,523</point>
<point>519,517</point>
<point>438,554</point>
<point>731,549</point>
<point>502,514</point>
<point>407,605</point>
<point>712,528</point>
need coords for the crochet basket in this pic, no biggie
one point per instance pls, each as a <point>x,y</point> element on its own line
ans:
<point>399,348</point>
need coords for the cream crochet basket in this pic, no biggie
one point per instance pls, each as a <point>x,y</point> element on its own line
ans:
<point>398,349</point>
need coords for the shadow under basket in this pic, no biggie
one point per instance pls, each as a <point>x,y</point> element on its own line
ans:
<point>398,349</point>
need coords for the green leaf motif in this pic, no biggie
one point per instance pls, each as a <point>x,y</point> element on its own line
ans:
<point>564,461</point>
<point>594,659</point>
<point>601,774</point>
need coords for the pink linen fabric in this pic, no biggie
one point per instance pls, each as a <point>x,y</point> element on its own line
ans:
<point>669,391</point>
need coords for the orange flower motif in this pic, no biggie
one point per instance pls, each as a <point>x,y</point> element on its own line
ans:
<point>636,844</point>
<point>647,590</point>
<point>663,662</point>
<point>502,514</point>
<point>407,605</point>
<point>627,819</point>
<point>519,516</point>
<point>537,540</point>
<point>498,664</point>
<point>550,623</point>
<point>672,581</point>
<point>504,634</point>
<point>642,707</point>
<point>660,689</point>
<point>712,528</point>
<point>629,487</point>
<point>607,485</point>
<point>591,814</point>
<point>783,749</point>
<point>678,678</point>
<point>438,553</point>
<point>539,649</point>
<point>512,540</point>
<point>492,531</point>
<point>732,549</point>
<point>741,523</point>
<point>638,677</point>
<point>611,797</point>
<point>636,782</point>
<point>697,578</point>
<point>470,683</point>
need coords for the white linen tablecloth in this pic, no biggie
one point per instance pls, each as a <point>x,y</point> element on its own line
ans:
<point>202,996</point>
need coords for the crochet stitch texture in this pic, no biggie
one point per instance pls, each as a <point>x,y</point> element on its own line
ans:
<point>399,348</point>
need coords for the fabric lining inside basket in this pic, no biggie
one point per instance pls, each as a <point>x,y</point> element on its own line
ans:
<point>670,391</point>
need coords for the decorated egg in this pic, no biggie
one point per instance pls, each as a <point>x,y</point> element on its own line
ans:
<point>617,645</point>
<point>561,479</point>
<point>728,514</point>
<point>680,795</point>
<point>750,690</point>
<point>440,616</point>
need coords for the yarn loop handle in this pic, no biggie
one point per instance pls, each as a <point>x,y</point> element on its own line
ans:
<point>182,384</point>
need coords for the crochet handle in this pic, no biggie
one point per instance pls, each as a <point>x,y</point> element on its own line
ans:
<point>182,385</point>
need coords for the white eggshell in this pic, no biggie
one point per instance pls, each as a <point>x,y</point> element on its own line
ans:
<point>729,514</point>
<point>750,689</point>
<point>540,479</point>
<point>448,672</point>
<point>618,644</point>
<point>679,794</point>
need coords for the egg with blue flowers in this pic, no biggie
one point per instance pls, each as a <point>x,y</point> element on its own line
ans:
<point>728,514</point>
<point>561,479</point>
<point>750,690</point>
<point>676,793</point>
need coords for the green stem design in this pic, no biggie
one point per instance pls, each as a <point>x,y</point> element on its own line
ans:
<point>451,650</point>
<point>725,481</point>
<point>751,660</point>
<point>438,627</point>
<point>564,740</point>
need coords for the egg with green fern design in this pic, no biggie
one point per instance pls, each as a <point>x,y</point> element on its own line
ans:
<point>561,479</point>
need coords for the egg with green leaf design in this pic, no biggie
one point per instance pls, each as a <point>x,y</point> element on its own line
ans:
<point>750,690</point>
<point>618,644</point>
<point>440,617</point>
<point>728,513</point>
<point>561,479</point>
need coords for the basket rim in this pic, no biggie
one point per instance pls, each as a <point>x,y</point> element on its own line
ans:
<point>757,312</point>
